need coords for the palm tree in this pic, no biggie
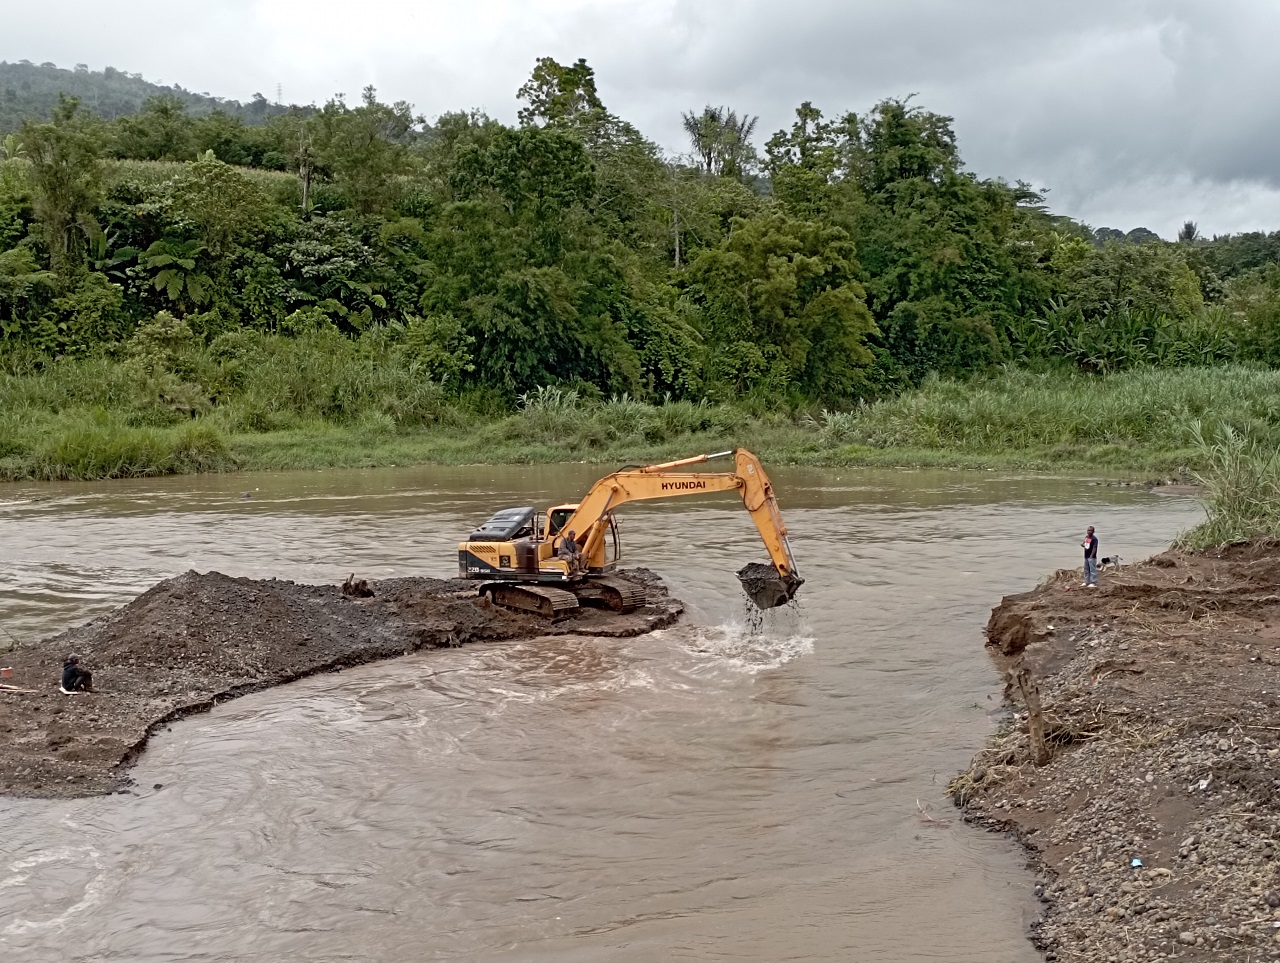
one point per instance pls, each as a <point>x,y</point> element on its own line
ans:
<point>721,140</point>
<point>736,152</point>
<point>1190,233</point>
<point>704,133</point>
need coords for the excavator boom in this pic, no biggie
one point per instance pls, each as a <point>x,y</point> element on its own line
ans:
<point>767,589</point>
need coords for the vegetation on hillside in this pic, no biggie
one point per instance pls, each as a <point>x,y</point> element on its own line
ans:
<point>177,275</point>
<point>30,91</point>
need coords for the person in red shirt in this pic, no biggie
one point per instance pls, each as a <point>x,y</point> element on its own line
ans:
<point>1090,546</point>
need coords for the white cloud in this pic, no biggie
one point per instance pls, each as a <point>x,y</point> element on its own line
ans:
<point>1130,111</point>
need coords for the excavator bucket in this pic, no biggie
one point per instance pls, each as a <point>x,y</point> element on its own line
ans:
<point>765,587</point>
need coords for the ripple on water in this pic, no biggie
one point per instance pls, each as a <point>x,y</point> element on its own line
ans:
<point>60,883</point>
<point>731,788</point>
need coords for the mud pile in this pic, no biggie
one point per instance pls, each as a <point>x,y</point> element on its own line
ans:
<point>196,640</point>
<point>1156,819</point>
<point>763,586</point>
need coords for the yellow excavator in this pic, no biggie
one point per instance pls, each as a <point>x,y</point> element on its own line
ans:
<point>553,562</point>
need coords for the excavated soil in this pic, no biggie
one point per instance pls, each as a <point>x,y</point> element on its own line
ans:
<point>197,640</point>
<point>1155,822</point>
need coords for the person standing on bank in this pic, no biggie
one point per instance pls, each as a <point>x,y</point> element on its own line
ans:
<point>1090,546</point>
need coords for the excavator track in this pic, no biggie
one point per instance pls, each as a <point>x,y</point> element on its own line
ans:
<point>551,603</point>
<point>615,594</point>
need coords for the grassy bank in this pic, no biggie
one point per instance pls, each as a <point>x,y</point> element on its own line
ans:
<point>257,402</point>
<point>1241,483</point>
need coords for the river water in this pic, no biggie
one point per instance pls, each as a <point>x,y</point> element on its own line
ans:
<point>711,792</point>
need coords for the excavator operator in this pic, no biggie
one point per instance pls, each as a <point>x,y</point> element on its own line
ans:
<point>569,551</point>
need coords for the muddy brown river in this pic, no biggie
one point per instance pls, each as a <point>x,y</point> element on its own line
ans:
<point>716,791</point>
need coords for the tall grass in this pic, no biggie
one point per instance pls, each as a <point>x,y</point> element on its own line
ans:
<point>1018,410</point>
<point>148,175</point>
<point>1241,481</point>
<point>255,400</point>
<point>1130,338</point>
<point>89,445</point>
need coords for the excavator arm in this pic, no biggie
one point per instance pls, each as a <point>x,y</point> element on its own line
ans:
<point>590,522</point>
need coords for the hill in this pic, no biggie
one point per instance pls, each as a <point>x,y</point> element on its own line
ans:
<point>30,90</point>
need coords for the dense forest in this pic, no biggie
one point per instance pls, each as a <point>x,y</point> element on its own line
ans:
<point>851,259</point>
<point>30,91</point>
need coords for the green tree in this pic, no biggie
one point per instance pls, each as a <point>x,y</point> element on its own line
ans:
<point>538,176</point>
<point>363,148</point>
<point>227,137</point>
<point>807,163</point>
<point>21,284</point>
<point>177,271</point>
<point>518,260</point>
<point>439,344</point>
<point>949,261</point>
<point>781,306</point>
<point>1134,277</point>
<point>66,181</point>
<point>217,203</point>
<point>161,131</point>
<point>1253,299</point>
<point>12,148</point>
<point>15,200</point>
<point>329,265</point>
<point>555,93</point>
<point>90,314</point>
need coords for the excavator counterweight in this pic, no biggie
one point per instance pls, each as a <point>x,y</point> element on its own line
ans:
<point>547,562</point>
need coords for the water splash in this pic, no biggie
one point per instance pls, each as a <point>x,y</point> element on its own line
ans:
<point>757,644</point>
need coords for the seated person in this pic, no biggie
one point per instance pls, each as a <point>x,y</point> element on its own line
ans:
<point>74,678</point>
<point>569,551</point>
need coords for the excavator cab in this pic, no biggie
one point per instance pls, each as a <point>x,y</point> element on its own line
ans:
<point>556,518</point>
<point>602,561</point>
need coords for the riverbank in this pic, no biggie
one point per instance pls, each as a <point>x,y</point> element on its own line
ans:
<point>197,640</point>
<point>279,407</point>
<point>1155,820</point>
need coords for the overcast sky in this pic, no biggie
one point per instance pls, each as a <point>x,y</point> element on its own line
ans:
<point>1129,112</point>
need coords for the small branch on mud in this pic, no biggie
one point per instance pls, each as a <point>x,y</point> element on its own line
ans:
<point>926,818</point>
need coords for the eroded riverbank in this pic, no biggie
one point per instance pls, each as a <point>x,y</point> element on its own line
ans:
<point>197,640</point>
<point>1156,818</point>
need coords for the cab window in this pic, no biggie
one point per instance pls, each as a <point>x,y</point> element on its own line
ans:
<point>557,518</point>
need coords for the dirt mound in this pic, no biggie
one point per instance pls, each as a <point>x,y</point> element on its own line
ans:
<point>196,640</point>
<point>1160,715</point>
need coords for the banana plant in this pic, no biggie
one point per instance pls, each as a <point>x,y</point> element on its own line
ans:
<point>106,259</point>
<point>11,147</point>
